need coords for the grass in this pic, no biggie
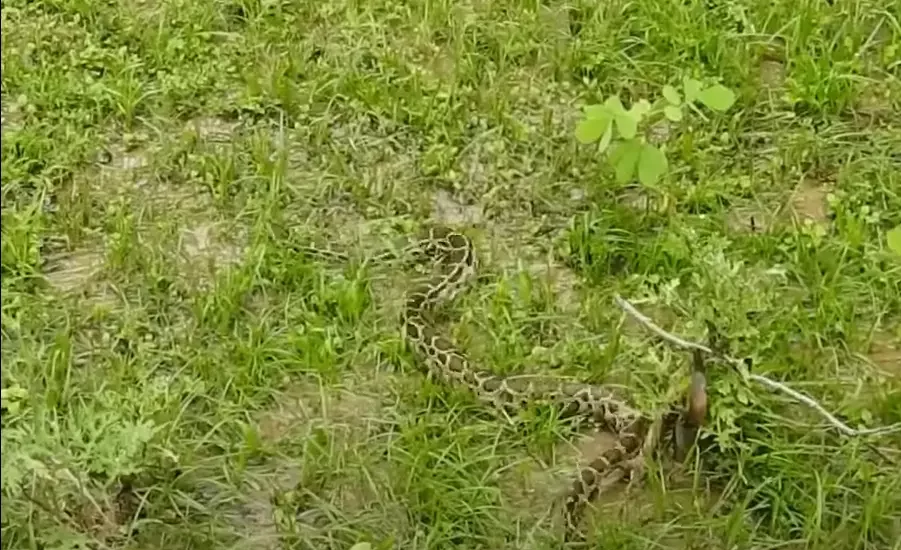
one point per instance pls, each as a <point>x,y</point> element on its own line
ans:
<point>176,375</point>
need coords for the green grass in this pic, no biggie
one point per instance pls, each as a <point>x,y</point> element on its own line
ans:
<point>176,374</point>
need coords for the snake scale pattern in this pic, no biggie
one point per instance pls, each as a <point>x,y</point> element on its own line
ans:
<point>637,433</point>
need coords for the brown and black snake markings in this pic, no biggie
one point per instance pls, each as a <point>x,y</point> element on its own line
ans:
<point>638,433</point>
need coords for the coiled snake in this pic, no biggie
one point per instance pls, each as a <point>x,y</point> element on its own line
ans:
<point>637,433</point>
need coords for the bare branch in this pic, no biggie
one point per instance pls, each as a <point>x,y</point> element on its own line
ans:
<point>772,384</point>
<point>647,323</point>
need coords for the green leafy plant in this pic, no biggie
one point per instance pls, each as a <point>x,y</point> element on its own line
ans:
<point>893,239</point>
<point>631,154</point>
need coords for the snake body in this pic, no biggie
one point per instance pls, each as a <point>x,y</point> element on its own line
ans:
<point>637,433</point>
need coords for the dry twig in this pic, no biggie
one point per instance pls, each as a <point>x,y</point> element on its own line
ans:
<point>769,383</point>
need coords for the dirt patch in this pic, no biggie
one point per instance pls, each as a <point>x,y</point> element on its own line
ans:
<point>386,179</point>
<point>749,219</point>
<point>204,250</point>
<point>73,271</point>
<point>885,353</point>
<point>809,202</point>
<point>354,407</point>
<point>514,247</point>
<point>213,129</point>
<point>534,490</point>
<point>874,103</point>
<point>124,177</point>
<point>771,74</point>
<point>557,21</point>
<point>448,210</point>
<point>11,115</point>
<point>346,231</point>
<point>640,502</point>
<point>172,201</point>
<point>303,406</point>
<point>201,241</point>
<point>562,282</point>
<point>254,508</point>
<point>125,169</point>
<point>438,65</point>
<point>538,487</point>
<point>639,199</point>
<point>80,272</point>
<point>120,164</point>
<point>290,497</point>
<point>106,517</point>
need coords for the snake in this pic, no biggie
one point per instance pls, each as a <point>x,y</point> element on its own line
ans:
<point>638,433</point>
